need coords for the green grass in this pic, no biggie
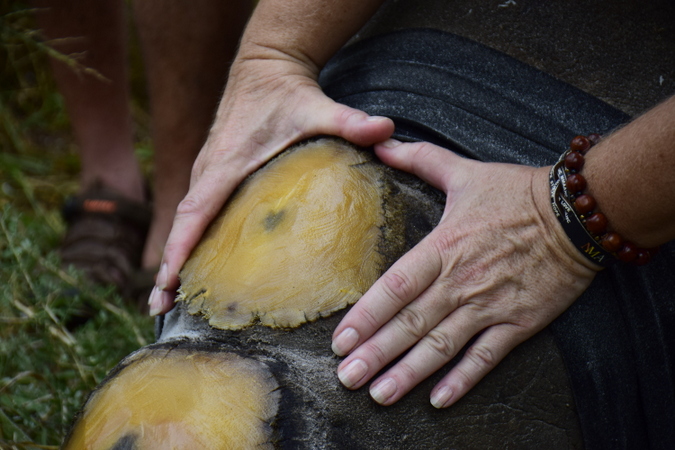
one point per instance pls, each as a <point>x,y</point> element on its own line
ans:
<point>59,335</point>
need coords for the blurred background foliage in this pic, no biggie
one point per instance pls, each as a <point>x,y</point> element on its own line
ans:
<point>59,335</point>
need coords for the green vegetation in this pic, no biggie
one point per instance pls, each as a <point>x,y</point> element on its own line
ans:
<point>59,335</point>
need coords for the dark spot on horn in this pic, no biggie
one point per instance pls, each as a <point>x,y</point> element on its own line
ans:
<point>127,442</point>
<point>272,220</point>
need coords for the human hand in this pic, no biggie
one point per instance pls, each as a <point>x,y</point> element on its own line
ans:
<point>498,266</point>
<point>268,105</point>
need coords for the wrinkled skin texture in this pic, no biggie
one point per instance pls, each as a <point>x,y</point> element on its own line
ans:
<point>273,101</point>
<point>258,116</point>
<point>497,262</point>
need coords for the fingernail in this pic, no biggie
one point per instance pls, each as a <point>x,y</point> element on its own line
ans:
<point>383,390</point>
<point>152,295</point>
<point>155,301</point>
<point>391,143</point>
<point>345,342</point>
<point>352,373</point>
<point>441,397</point>
<point>376,118</point>
<point>163,277</point>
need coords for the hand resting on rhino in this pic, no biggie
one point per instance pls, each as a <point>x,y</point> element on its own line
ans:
<point>244,359</point>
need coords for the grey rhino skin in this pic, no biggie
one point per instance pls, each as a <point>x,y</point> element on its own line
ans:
<point>525,402</point>
<point>621,52</point>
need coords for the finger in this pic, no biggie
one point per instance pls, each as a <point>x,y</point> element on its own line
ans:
<point>405,329</point>
<point>483,355</point>
<point>431,353</point>
<point>437,345</point>
<point>435,165</point>
<point>400,285</point>
<point>348,123</point>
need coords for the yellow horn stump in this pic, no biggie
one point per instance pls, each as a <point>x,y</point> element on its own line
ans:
<point>177,398</point>
<point>297,241</point>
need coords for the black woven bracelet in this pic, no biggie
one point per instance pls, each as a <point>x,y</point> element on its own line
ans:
<point>571,223</point>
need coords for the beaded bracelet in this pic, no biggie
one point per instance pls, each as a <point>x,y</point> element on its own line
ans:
<point>586,227</point>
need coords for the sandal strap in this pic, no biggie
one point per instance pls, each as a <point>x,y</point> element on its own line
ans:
<point>105,235</point>
<point>102,202</point>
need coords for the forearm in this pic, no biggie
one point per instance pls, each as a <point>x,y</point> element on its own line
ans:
<point>631,174</point>
<point>305,31</point>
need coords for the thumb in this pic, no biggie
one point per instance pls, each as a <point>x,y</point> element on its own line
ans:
<point>435,165</point>
<point>348,123</point>
<point>193,215</point>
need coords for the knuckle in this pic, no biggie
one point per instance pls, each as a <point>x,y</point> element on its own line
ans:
<point>199,165</point>
<point>260,140</point>
<point>422,150</point>
<point>376,352</point>
<point>441,343</point>
<point>528,323</point>
<point>444,242</point>
<point>482,357</point>
<point>344,114</point>
<point>188,206</point>
<point>398,286</point>
<point>407,373</point>
<point>411,322</point>
<point>371,320</point>
<point>196,171</point>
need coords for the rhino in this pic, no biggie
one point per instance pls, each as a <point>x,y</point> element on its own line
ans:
<point>244,359</point>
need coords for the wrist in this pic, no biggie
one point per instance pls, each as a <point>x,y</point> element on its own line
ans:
<point>265,62</point>
<point>579,214</point>
<point>306,31</point>
<point>560,242</point>
<point>275,57</point>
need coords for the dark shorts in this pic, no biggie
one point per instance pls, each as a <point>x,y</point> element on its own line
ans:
<point>618,338</point>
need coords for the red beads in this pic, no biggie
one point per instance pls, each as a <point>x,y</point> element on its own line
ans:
<point>576,183</point>
<point>584,204</point>
<point>574,161</point>
<point>643,257</point>
<point>594,138</point>
<point>627,253</point>
<point>596,223</point>
<point>612,242</point>
<point>580,144</point>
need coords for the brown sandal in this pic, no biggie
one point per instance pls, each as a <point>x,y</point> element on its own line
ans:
<point>105,236</point>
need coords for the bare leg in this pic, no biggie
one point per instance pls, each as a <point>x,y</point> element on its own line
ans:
<point>98,109</point>
<point>188,47</point>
